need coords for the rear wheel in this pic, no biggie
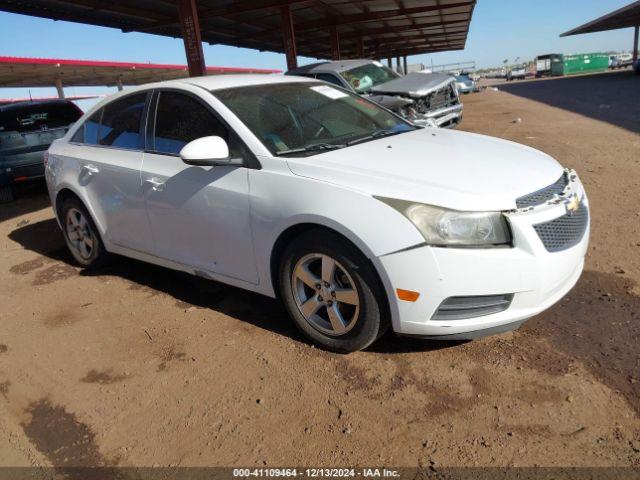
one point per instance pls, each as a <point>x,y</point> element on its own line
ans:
<point>81,234</point>
<point>332,292</point>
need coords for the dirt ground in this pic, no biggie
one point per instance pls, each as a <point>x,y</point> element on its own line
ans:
<point>140,366</point>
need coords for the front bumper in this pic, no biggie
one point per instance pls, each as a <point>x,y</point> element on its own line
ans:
<point>444,117</point>
<point>536,277</point>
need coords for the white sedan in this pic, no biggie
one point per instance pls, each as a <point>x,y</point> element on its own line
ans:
<point>355,218</point>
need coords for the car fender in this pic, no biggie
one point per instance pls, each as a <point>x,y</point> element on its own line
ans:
<point>280,201</point>
<point>59,179</point>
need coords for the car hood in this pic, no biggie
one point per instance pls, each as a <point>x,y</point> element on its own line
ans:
<point>415,84</point>
<point>456,170</point>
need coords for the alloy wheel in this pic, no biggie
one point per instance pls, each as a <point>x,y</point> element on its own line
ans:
<point>325,294</point>
<point>79,233</point>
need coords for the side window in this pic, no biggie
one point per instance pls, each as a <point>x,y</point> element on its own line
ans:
<point>328,77</point>
<point>88,132</point>
<point>78,137</point>
<point>120,126</point>
<point>180,119</point>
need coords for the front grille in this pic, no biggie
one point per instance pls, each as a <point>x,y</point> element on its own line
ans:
<point>442,98</point>
<point>564,232</point>
<point>543,195</point>
<point>460,308</point>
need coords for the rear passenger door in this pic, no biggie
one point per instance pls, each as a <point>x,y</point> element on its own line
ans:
<point>199,216</point>
<point>109,149</point>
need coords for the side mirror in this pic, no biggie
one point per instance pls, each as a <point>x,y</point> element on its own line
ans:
<point>207,151</point>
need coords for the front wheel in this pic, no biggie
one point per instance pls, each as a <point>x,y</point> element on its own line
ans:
<point>332,292</point>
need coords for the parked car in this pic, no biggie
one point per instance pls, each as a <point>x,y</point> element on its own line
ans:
<point>464,84</point>
<point>356,218</point>
<point>516,74</point>
<point>621,60</point>
<point>26,131</point>
<point>421,98</point>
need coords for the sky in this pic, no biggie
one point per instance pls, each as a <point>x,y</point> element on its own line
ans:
<point>500,29</point>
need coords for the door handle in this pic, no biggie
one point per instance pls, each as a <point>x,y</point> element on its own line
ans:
<point>156,185</point>
<point>90,169</point>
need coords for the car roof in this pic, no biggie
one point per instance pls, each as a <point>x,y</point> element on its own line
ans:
<point>18,105</point>
<point>335,66</point>
<point>218,82</point>
<point>209,83</point>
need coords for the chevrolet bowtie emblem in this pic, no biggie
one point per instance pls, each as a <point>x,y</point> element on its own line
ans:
<point>573,204</point>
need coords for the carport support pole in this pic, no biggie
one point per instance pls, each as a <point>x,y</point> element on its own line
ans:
<point>335,43</point>
<point>289,37</point>
<point>59,88</point>
<point>119,84</point>
<point>389,62</point>
<point>360,46</point>
<point>398,67</point>
<point>188,12</point>
<point>404,63</point>
<point>635,43</point>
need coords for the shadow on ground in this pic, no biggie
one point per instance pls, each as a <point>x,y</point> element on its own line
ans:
<point>29,197</point>
<point>609,97</point>
<point>597,324</point>
<point>45,238</point>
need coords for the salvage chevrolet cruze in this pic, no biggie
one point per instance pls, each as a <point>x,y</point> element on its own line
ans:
<point>357,219</point>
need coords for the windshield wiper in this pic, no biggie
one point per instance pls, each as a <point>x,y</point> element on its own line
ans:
<point>312,148</point>
<point>375,135</point>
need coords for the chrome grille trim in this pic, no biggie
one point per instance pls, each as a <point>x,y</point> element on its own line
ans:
<point>460,308</point>
<point>543,195</point>
<point>564,232</point>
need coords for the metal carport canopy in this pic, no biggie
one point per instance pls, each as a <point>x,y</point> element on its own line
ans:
<point>624,17</point>
<point>312,28</point>
<point>43,72</point>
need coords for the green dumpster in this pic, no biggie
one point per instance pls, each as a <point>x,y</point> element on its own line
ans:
<point>586,63</point>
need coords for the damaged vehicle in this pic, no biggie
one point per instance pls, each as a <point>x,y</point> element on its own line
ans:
<point>358,220</point>
<point>423,99</point>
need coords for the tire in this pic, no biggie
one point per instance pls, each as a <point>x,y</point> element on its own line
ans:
<point>6,194</point>
<point>332,320</point>
<point>81,235</point>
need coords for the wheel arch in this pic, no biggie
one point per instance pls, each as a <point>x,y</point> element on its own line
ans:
<point>62,195</point>
<point>294,231</point>
<point>67,192</point>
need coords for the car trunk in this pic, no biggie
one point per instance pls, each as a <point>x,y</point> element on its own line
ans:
<point>25,129</point>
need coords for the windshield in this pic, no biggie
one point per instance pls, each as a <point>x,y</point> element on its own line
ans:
<point>305,118</point>
<point>364,78</point>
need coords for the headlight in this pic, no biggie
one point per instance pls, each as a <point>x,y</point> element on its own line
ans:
<point>442,227</point>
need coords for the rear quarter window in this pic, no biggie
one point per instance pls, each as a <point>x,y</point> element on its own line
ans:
<point>88,131</point>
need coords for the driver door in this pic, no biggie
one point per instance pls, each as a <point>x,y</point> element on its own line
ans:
<point>199,216</point>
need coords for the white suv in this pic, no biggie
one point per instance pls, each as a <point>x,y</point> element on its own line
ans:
<point>356,218</point>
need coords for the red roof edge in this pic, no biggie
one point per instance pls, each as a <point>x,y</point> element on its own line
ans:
<point>131,65</point>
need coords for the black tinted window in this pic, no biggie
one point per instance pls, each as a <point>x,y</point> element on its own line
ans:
<point>120,126</point>
<point>38,116</point>
<point>327,77</point>
<point>181,119</point>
